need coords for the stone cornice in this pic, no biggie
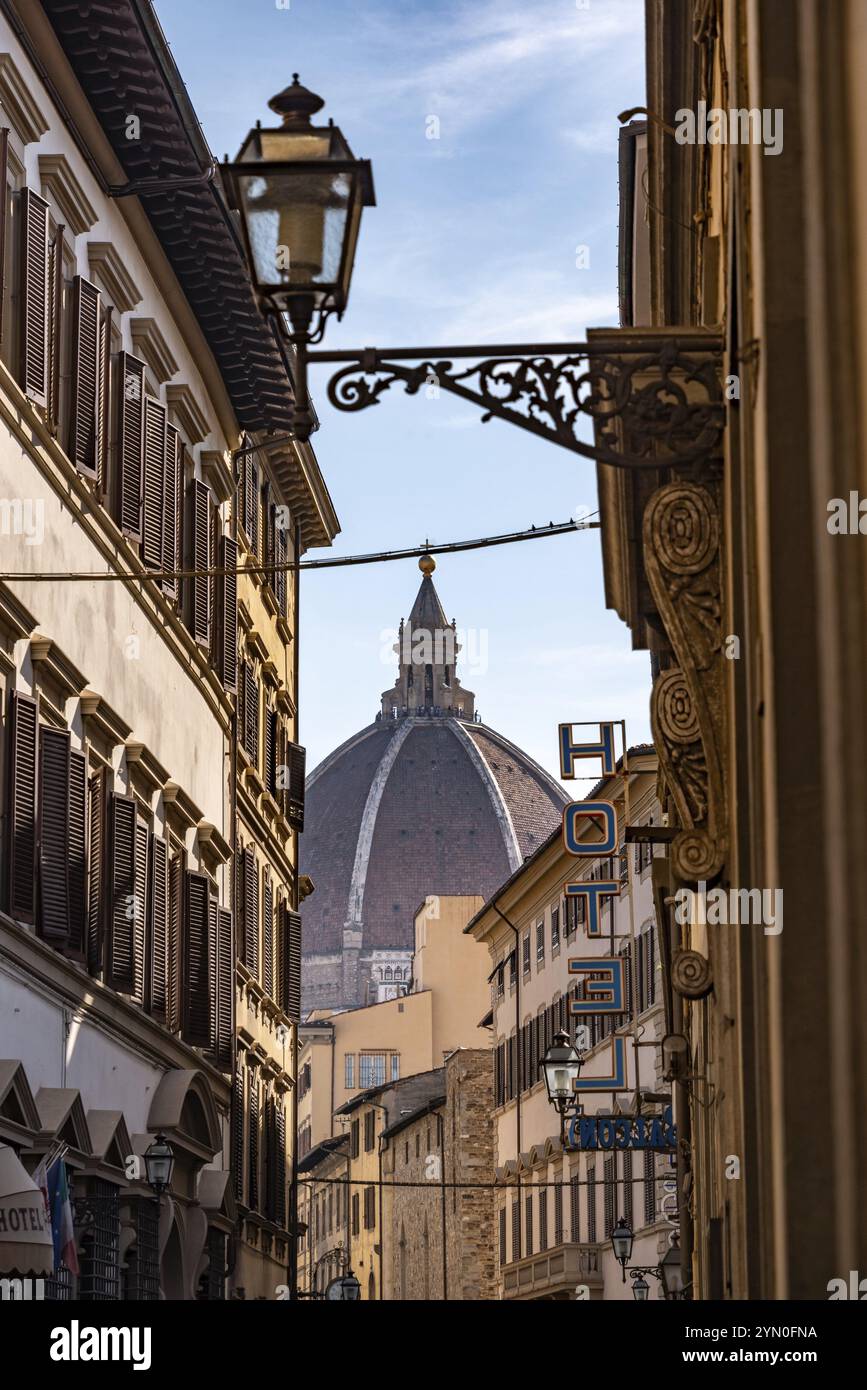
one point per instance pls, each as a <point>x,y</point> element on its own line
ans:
<point>60,183</point>
<point>138,755</point>
<point>17,102</point>
<point>217,473</point>
<point>208,834</point>
<point>107,266</point>
<point>44,651</point>
<point>150,345</point>
<point>183,807</point>
<point>108,721</point>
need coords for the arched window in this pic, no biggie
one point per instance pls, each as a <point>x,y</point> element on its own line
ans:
<point>388,975</point>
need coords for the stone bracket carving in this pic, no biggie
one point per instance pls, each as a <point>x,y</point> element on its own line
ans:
<point>682,557</point>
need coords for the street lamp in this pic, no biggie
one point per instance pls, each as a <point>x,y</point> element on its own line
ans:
<point>561,1066</point>
<point>299,192</point>
<point>621,1240</point>
<point>640,1288</point>
<point>159,1162</point>
<point>344,1289</point>
<point>672,1272</point>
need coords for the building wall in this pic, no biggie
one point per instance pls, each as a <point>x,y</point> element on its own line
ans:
<point>446,964</point>
<point>469,1139</point>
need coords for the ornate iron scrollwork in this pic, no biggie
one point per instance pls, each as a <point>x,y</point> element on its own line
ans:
<point>652,407</point>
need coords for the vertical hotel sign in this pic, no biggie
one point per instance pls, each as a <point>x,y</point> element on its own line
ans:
<point>605,993</point>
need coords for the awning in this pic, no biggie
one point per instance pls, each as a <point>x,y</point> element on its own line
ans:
<point>26,1246</point>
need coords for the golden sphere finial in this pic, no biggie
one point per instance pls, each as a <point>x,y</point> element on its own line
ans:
<point>427,564</point>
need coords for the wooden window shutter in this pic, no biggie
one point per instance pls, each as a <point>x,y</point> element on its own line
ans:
<point>268,934</point>
<point>251,714</point>
<point>237,1135</point>
<point>96,897</point>
<point>250,500</point>
<point>271,749</point>
<point>173,967</point>
<point>105,399</point>
<point>22,754</point>
<point>251,912</point>
<point>170,505</point>
<point>195,974</point>
<point>267,530</point>
<point>281,557</point>
<point>122,894</point>
<point>290,968</point>
<point>158,928</point>
<point>141,908</point>
<point>55,325</point>
<point>222,975</point>
<point>84,415</point>
<point>130,444</point>
<point>253,1144</point>
<point>34,296</point>
<point>281,1164</point>
<point>154,489</point>
<point>200,557</point>
<point>77,852</point>
<point>227,613</point>
<point>54,748</point>
<point>296,758</point>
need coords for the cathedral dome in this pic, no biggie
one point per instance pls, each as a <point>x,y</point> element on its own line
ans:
<point>427,800</point>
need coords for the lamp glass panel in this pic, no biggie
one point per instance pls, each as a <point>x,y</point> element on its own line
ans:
<point>296,224</point>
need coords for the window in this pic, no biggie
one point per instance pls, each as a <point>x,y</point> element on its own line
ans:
<point>516,1229</point>
<point>643,856</point>
<point>543,1219</point>
<point>608,1178</point>
<point>540,943</point>
<point>591,1205</point>
<point>502,1233</point>
<point>555,929</point>
<point>528,1223</point>
<point>513,970</point>
<point>354,1145</point>
<point>355,1221</point>
<point>625,1205</point>
<point>574,1209</point>
<point>369,1130</point>
<point>369,1207</point>
<point>501,980</point>
<point>649,1187</point>
<point>371,1068</point>
<point>349,1071</point>
<point>395,1066</point>
<point>558,1214</point>
<point>525,953</point>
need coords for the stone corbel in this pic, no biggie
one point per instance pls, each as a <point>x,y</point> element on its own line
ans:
<point>682,558</point>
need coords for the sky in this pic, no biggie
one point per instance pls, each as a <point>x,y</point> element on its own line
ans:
<point>500,228</point>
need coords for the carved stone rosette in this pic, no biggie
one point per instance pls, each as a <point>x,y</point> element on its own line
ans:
<point>683,565</point>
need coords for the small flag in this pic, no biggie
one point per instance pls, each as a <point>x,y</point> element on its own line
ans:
<point>62,1230</point>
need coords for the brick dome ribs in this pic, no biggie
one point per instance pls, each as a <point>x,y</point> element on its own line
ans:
<point>427,800</point>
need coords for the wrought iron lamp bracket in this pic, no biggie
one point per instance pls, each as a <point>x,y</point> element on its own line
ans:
<point>652,405</point>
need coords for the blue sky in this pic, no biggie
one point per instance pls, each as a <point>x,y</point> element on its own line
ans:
<point>474,239</point>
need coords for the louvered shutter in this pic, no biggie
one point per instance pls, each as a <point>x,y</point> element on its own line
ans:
<point>290,984</point>
<point>200,537</point>
<point>105,398</point>
<point>251,714</point>
<point>253,1144</point>
<point>54,748</point>
<point>250,507</point>
<point>130,444</point>
<point>77,851</point>
<point>227,611</point>
<point>122,905</point>
<point>268,935</point>
<point>222,1006</point>
<point>154,489</point>
<point>296,758</point>
<point>251,912</point>
<point>237,1127</point>
<point>195,975</point>
<point>281,1164</point>
<point>84,423</point>
<point>55,325</point>
<point>22,753</point>
<point>267,531</point>
<point>173,968</point>
<point>271,749</point>
<point>158,919</point>
<point>141,909</point>
<point>170,503</point>
<point>34,296</point>
<point>281,557</point>
<point>96,897</point>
